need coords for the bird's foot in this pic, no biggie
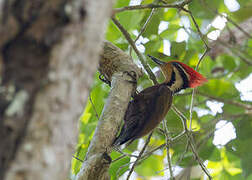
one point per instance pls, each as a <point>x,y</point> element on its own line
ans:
<point>133,76</point>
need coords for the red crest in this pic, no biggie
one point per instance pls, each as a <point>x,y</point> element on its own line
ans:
<point>196,79</point>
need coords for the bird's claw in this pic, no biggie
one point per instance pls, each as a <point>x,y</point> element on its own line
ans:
<point>133,75</point>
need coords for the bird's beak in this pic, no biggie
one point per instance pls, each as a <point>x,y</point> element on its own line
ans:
<point>156,60</point>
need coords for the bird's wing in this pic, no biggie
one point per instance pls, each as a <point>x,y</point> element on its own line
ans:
<point>140,111</point>
<point>154,109</point>
<point>133,120</point>
<point>147,93</point>
<point>131,124</point>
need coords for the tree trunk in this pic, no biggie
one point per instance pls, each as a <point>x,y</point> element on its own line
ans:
<point>49,53</point>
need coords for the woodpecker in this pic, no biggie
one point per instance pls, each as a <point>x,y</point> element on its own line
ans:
<point>149,107</point>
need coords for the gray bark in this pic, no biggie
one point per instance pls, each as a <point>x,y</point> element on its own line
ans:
<point>115,65</point>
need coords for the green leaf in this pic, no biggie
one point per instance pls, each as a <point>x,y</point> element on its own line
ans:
<point>243,13</point>
<point>224,175</point>
<point>112,33</point>
<point>249,177</point>
<point>216,155</point>
<point>244,71</point>
<point>232,109</point>
<point>219,88</point>
<point>154,23</point>
<point>121,3</point>
<point>80,154</point>
<point>228,62</point>
<point>206,66</point>
<point>152,46</point>
<point>118,167</point>
<point>243,144</point>
<point>206,9</point>
<point>206,118</point>
<point>150,166</point>
<point>170,14</point>
<point>123,46</point>
<point>207,150</point>
<point>147,1</point>
<point>198,11</point>
<point>174,123</point>
<point>171,32</point>
<point>130,19</point>
<point>178,49</point>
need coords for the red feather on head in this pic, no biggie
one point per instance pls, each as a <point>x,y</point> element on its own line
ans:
<point>196,79</point>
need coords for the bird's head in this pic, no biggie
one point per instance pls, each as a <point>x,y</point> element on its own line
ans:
<point>178,75</point>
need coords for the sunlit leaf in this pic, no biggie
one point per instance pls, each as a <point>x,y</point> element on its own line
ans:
<point>118,167</point>
<point>177,49</point>
<point>144,169</point>
<point>130,19</point>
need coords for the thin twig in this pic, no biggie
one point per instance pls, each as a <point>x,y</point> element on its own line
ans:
<point>75,157</point>
<point>236,25</point>
<point>149,6</point>
<point>236,52</point>
<point>139,156</point>
<point>144,27</point>
<point>90,99</point>
<point>203,167</point>
<point>204,54</point>
<point>163,145</point>
<point>201,58</point>
<point>191,109</point>
<point>122,156</point>
<point>168,145</point>
<point>119,169</point>
<point>145,24</point>
<point>191,141</point>
<point>180,158</point>
<point>183,154</point>
<point>193,91</point>
<point>197,27</point>
<point>147,154</point>
<point>215,11</point>
<point>181,116</point>
<point>131,42</point>
<point>125,154</point>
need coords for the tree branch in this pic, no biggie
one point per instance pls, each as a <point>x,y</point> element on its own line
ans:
<point>97,160</point>
<point>168,146</point>
<point>149,6</point>
<point>131,42</point>
<point>193,91</point>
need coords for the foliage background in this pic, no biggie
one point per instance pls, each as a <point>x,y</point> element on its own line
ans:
<point>230,160</point>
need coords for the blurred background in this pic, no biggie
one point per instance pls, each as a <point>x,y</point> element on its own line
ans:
<point>221,118</point>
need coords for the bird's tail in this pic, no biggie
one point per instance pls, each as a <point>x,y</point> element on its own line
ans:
<point>119,141</point>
